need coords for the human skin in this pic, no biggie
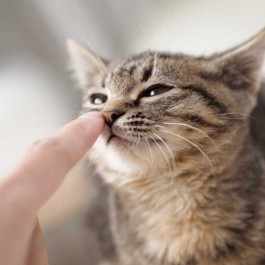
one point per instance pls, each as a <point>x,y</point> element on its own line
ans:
<point>33,181</point>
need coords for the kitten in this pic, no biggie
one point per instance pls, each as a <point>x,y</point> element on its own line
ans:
<point>185,176</point>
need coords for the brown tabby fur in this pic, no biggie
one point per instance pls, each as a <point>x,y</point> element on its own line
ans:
<point>184,176</point>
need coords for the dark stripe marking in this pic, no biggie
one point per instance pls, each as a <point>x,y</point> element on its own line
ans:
<point>238,233</point>
<point>103,82</point>
<point>262,262</point>
<point>212,101</point>
<point>131,70</point>
<point>223,252</point>
<point>200,121</point>
<point>160,103</point>
<point>147,73</point>
<point>192,261</point>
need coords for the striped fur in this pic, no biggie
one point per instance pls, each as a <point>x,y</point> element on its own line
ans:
<point>185,180</point>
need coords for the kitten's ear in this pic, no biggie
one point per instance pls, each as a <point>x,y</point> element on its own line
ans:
<point>240,68</point>
<point>85,63</point>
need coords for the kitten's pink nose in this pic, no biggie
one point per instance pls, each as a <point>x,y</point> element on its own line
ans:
<point>111,116</point>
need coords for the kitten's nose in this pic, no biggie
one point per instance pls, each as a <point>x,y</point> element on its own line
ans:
<point>111,116</point>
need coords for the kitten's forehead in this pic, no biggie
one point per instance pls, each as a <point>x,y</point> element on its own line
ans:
<point>132,71</point>
<point>128,73</point>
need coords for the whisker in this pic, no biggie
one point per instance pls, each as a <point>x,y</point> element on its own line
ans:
<point>173,165</point>
<point>163,33</point>
<point>162,151</point>
<point>194,128</point>
<point>168,148</point>
<point>194,145</point>
<point>238,113</point>
<point>151,154</point>
<point>136,141</point>
<point>173,108</point>
<point>240,119</point>
<point>133,144</point>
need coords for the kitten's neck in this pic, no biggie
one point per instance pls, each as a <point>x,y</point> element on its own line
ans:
<point>167,212</point>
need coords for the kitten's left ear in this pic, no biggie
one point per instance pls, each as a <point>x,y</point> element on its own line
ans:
<point>240,68</point>
<point>85,63</point>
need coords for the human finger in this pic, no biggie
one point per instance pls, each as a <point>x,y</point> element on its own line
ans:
<point>48,161</point>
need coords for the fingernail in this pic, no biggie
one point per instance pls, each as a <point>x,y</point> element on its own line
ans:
<point>91,115</point>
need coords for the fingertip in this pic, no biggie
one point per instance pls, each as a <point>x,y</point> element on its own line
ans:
<point>92,115</point>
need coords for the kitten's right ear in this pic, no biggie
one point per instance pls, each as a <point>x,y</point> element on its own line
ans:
<point>85,64</point>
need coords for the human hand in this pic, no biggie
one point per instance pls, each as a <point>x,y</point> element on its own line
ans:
<point>23,192</point>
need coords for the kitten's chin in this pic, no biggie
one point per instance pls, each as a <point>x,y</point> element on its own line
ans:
<point>120,154</point>
<point>121,144</point>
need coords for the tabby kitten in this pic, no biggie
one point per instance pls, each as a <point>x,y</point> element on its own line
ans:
<point>185,178</point>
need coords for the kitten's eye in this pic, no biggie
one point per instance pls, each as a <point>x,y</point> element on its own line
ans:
<point>98,99</point>
<point>155,90</point>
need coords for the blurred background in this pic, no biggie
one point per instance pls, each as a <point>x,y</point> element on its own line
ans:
<point>37,96</point>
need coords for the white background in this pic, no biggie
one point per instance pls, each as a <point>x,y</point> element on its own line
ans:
<point>37,96</point>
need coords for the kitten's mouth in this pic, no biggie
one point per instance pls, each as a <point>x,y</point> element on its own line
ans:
<point>116,138</point>
<point>111,137</point>
<point>119,140</point>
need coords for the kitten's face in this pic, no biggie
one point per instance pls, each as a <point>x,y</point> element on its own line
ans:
<point>162,107</point>
<point>153,106</point>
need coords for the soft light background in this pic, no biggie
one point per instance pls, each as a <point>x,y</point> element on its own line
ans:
<point>37,95</point>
